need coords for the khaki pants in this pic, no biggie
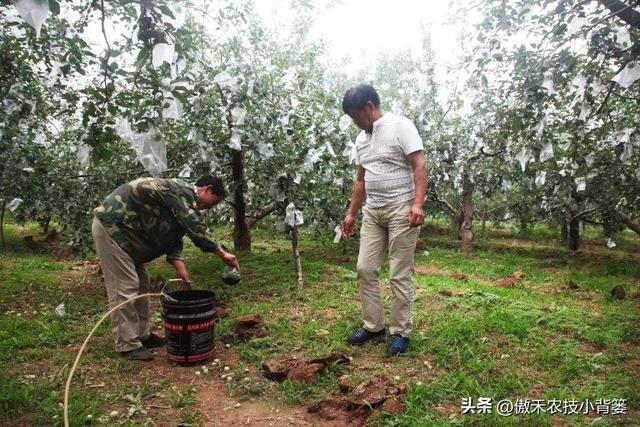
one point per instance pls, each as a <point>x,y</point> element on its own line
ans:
<point>387,228</point>
<point>123,279</point>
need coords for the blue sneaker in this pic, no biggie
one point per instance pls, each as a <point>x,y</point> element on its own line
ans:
<point>397,345</point>
<point>361,336</point>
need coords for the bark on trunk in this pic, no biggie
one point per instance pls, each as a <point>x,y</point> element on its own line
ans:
<point>241,232</point>
<point>635,226</point>
<point>458,219</point>
<point>623,11</point>
<point>466,228</point>
<point>4,244</point>
<point>564,231</point>
<point>524,225</point>
<point>574,234</point>
<point>296,257</point>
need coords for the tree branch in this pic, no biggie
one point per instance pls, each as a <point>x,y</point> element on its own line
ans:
<point>623,11</point>
<point>608,95</point>
<point>578,215</point>
<point>629,222</point>
<point>444,202</point>
<point>105,63</point>
<point>261,214</point>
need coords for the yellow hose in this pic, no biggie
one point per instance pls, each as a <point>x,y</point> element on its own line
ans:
<point>84,344</point>
<point>75,364</point>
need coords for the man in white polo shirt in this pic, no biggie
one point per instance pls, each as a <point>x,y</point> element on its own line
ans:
<point>392,176</point>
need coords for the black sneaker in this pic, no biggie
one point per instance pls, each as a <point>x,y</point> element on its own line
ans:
<point>397,345</point>
<point>153,341</point>
<point>361,336</point>
<point>141,353</point>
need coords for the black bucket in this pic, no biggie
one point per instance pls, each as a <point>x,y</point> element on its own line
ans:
<point>188,325</point>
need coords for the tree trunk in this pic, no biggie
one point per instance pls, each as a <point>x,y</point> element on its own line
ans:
<point>564,231</point>
<point>241,232</point>
<point>524,225</point>
<point>4,244</point>
<point>458,219</point>
<point>635,226</point>
<point>466,228</point>
<point>574,234</point>
<point>296,257</point>
<point>46,221</point>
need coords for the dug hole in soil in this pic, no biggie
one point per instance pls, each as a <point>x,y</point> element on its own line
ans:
<point>355,407</point>
<point>348,406</point>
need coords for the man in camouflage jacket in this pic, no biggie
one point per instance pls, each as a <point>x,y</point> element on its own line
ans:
<point>138,222</point>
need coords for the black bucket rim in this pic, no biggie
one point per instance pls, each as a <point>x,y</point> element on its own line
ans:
<point>200,296</point>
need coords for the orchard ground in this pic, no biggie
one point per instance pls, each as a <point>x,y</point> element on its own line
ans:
<point>537,337</point>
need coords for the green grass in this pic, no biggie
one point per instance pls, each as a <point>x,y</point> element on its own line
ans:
<point>472,338</point>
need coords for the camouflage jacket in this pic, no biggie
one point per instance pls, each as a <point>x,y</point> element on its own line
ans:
<point>147,217</point>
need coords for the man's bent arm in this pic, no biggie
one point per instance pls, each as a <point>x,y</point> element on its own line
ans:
<point>418,164</point>
<point>181,270</point>
<point>358,193</point>
<point>416,213</point>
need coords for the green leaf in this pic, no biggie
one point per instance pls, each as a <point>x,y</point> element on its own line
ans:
<point>143,56</point>
<point>54,7</point>
<point>165,9</point>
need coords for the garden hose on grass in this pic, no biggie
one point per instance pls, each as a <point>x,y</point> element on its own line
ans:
<point>95,327</point>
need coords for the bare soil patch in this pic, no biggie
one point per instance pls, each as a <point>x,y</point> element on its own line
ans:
<point>509,282</point>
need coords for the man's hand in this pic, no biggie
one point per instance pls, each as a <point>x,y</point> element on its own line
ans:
<point>184,286</point>
<point>182,274</point>
<point>347,224</point>
<point>229,259</point>
<point>416,216</point>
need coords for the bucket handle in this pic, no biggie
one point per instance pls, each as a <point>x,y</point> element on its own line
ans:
<point>166,296</point>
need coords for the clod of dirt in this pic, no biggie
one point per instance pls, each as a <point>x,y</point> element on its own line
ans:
<point>446,293</point>
<point>250,326</point>
<point>345,383</point>
<point>419,246</point>
<point>305,372</point>
<point>221,310</point>
<point>618,292</point>
<point>277,370</point>
<point>339,412</point>
<point>249,320</point>
<point>300,370</point>
<point>459,276</point>
<point>355,409</point>
<point>394,405</point>
<point>395,390</point>
<point>509,282</point>
<point>370,393</point>
<point>571,285</point>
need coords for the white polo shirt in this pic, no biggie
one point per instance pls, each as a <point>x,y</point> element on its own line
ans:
<point>383,154</point>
